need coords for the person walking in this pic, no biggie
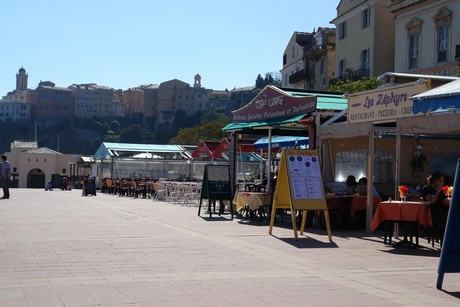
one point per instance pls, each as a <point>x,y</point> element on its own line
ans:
<point>6,174</point>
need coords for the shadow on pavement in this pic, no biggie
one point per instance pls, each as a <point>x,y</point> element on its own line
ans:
<point>306,242</point>
<point>215,218</point>
<point>454,294</point>
<point>413,251</point>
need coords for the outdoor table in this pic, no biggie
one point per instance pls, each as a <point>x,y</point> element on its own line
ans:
<point>399,211</point>
<point>254,200</point>
<point>360,203</point>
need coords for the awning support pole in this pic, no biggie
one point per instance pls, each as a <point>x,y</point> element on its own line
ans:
<point>269,152</point>
<point>370,178</point>
<point>331,160</point>
<point>397,160</point>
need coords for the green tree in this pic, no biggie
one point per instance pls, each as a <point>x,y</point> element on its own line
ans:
<point>115,126</point>
<point>260,82</point>
<point>355,86</point>
<point>271,78</point>
<point>210,116</point>
<point>135,134</point>
<point>211,131</point>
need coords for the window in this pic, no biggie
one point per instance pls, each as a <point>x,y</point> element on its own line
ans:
<point>365,18</point>
<point>321,67</point>
<point>443,43</point>
<point>414,50</point>
<point>342,67</point>
<point>342,30</point>
<point>284,59</point>
<point>364,63</point>
<point>443,20</point>
<point>293,52</point>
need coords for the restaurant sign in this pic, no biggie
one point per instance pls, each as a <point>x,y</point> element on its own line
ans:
<point>385,103</point>
<point>273,103</point>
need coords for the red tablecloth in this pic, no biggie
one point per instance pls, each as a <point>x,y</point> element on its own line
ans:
<point>357,202</point>
<point>402,211</point>
<point>360,203</point>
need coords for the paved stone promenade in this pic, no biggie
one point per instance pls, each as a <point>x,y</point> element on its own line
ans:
<point>60,249</point>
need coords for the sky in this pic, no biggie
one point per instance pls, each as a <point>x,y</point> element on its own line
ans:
<point>123,44</point>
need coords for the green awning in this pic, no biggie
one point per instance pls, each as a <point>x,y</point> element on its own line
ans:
<point>325,101</point>
<point>266,123</point>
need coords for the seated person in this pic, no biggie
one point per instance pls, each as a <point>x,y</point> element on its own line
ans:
<point>49,186</point>
<point>435,196</point>
<point>362,188</point>
<point>351,184</point>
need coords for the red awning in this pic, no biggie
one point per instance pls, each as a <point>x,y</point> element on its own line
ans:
<point>205,149</point>
<point>245,145</point>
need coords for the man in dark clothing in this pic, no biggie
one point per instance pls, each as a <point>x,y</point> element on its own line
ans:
<point>6,174</point>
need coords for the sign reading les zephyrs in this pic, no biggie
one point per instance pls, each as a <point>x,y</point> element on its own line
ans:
<point>272,103</point>
<point>384,104</point>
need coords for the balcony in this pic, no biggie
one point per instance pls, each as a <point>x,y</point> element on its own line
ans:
<point>352,75</point>
<point>316,52</point>
<point>299,76</point>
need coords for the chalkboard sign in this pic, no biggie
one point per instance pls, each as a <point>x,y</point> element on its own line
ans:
<point>449,262</point>
<point>216,185</point>
<point>56,181</point>
<point>89,186</point>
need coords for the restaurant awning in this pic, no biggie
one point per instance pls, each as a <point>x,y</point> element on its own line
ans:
<point>281,141</point>
<point>441,98</point>
<point>264,123</point>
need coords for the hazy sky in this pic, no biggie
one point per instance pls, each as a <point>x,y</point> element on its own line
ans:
<point>127,43</point>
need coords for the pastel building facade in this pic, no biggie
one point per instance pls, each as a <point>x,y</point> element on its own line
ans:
<point>92,100</point>
<point>364,39</point>
<point>427,36</point>
<point>32,166</point>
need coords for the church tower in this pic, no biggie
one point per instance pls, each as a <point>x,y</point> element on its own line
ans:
<point>197,83</point>
<point>21,79</point>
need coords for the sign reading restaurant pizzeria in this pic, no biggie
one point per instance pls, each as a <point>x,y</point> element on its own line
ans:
<point>273,103</point>
<point>384,104</point>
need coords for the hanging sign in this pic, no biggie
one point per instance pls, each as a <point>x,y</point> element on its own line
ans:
<point>272,103</point>
<point>385,103</point>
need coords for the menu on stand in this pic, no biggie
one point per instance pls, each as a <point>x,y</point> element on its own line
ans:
<point>300,176</point>
<point>305,176</point>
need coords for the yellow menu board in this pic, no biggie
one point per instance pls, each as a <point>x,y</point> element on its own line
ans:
<point>299,187</point>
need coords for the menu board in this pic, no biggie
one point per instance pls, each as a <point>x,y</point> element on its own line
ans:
<point>216,185</point>
<point>299,187</point>
<point>305,176</point>
<point>218,173</point>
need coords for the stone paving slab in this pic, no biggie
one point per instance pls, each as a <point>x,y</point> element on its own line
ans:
<point>60,249</point>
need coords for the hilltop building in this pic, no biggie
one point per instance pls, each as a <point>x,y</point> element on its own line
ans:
<point>21,79</point>
<point>51,103</point>
<point>92,100</point>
